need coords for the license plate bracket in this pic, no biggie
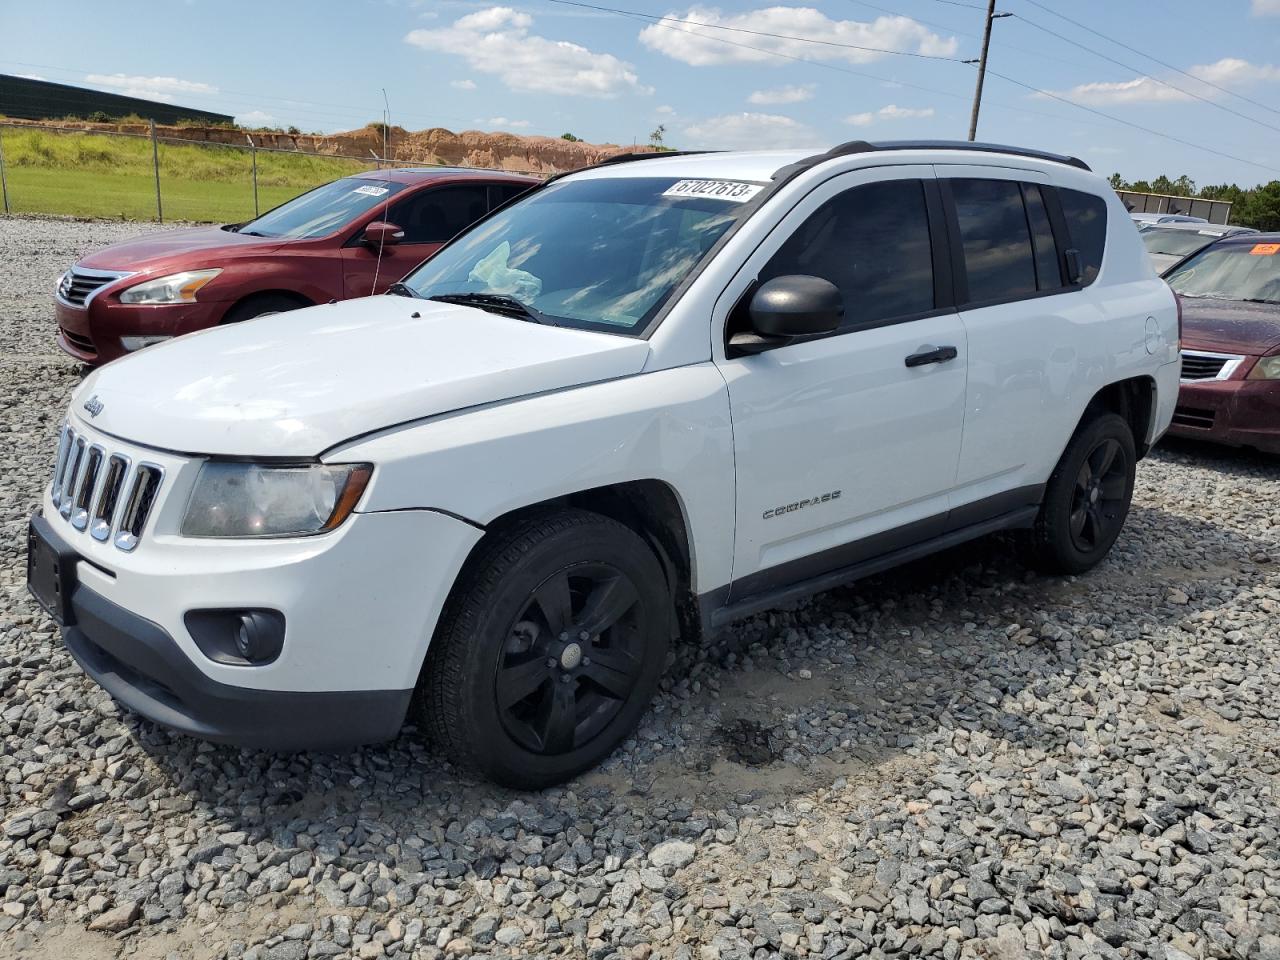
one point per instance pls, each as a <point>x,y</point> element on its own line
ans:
<point>51,571</point>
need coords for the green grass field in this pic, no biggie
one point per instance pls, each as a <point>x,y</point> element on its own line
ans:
<point>91,175</point>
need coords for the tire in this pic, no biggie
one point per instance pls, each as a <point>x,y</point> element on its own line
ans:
<point>261,306</point>
<point>1086,500</point>
<point>549,650</point>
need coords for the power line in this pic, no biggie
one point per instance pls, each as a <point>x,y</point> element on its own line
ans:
<point>1163,83</point>
<point>1127,123</point>
<point>755,33</point>
<point>1148,56</point>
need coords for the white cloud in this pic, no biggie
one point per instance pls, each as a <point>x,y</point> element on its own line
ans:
<point>150,88</point>
<point>889,112</point>
<point>788,94</point>
<point>1266,8</point>
<point>257,118</point>
<point>504,122</point>
<point>1227,72</point>
<point>702,46</point>
<point>750,131</point>
<point>497,41</point>
<point>665,110</point>
<point>462,84</point>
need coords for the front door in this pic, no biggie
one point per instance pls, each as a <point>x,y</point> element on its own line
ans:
<point>843,450</point>
<point>428,218</point>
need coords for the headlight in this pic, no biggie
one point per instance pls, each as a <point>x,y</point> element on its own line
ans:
<point>175,288</point>
<point>1268,368</point>
<point>262,500</point>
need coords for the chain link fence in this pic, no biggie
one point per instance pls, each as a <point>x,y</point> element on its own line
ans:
<point>70,171</point>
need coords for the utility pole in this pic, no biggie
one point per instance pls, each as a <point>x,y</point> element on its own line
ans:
<point>982,66</point>
<point>386,119</point>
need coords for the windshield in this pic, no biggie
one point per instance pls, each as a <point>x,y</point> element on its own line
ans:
<point>600,254</point>
<point>1175,243</point>
<point>1231,271</point>
<point>323,210</point>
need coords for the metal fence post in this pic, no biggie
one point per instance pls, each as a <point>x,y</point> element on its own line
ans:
<point>253,149</point>
<point>4,184</point>
<point>155,161</point>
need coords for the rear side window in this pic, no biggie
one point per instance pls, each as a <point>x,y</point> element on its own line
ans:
<point>872,242</point>
<point>1086,217</point>
<point>998,256</point>
<point>500,193</point>
<point>1048,268</point>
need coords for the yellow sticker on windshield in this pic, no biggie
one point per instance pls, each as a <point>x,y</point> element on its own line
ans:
<point>1265,249</point>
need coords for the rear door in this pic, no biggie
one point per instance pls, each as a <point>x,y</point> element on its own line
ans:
<point>1025,325</point>
<point>843,451</point>
<point>428,218</point>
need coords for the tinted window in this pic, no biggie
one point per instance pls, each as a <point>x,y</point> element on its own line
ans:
<point>1048,271</point>
<point>997,244</point>
<point>501,193</point>
<point>873,243</point>
<point>1086,217</point>
<point>434,216</point>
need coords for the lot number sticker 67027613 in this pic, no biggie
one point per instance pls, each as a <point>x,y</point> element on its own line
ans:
<point>731,190</point>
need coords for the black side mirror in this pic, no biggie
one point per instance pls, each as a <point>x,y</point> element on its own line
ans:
<point>789,308</point>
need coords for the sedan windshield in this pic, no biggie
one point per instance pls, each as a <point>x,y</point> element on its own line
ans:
<point>599,254</point>
<point>323,210</point>
<point>1231,271</point>
<point>1175,243</point>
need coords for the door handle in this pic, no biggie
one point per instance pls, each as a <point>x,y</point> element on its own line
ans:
<point>931,355</point>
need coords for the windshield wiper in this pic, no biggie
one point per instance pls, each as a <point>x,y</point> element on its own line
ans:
<point>1257,300</point>
<point>493,302</point>
<point>399,289</point>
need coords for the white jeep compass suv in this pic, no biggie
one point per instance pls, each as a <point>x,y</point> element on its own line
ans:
<point>646,399</point>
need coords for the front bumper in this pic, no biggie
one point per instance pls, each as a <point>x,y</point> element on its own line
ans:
<point>145,670</point>
<point>1238,413</point>
<point>92,333</point>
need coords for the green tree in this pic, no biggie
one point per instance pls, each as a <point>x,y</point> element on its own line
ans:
<point>570,137</point>
<point>1117,182</point>
<point>1260,208</point>
<point>655,138</point>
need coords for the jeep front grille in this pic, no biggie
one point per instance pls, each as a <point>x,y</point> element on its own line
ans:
<point>103,492</point>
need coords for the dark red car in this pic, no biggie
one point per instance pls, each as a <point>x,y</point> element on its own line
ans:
<point>1230,296</point>
<point>320,246</point>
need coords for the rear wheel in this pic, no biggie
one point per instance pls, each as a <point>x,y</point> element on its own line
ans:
<point>261,306</point>
<point>1087,498</point>
<point>549,651</point>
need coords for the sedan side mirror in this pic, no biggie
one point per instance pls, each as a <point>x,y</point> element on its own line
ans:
<point>381,234</point>
<point>790,308</point>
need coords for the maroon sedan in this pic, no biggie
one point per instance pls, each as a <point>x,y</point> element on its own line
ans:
<point>1230,296</point>
<point>321,246</point>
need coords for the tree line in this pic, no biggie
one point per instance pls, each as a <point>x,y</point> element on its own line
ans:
<point>1257,207</point>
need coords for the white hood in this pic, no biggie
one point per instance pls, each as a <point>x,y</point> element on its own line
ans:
<point>295,384</point>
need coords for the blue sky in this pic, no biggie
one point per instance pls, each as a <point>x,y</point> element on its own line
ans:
<point>707,74</point>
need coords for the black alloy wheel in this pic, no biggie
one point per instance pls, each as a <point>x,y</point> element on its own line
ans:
<point>1099,503</point>
<point>571,659</point>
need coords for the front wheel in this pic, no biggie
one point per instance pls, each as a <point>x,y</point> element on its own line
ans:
<point>549,649</point>
<point>1087,498</point>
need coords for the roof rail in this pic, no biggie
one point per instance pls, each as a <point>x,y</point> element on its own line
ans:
<point>864,146</point>
<point>646,155</point>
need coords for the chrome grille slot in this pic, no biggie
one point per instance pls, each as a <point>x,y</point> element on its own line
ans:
<point>1201,365</point>
<point>79,285</point>
<point>64,447</point>
<point>75,456</point>
<point>86,486</point>
<point>137,508</point>
<point>104,511</point>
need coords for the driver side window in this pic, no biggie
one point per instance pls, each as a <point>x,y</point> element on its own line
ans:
<point>873,243</point>
<point>434,216</point>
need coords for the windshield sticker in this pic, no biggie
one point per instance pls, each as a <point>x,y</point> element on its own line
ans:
<point>371,191</point>
<point>1265,249</point>
<point>729,190</point>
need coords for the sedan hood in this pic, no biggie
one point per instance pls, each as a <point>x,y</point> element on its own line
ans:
<point>295,384</point>
<point>1230,326</point>
<point>154,249</point>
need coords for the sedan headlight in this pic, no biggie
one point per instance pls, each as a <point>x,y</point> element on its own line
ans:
<point>1268,368</point>
<point>175,288</point>
<point>264,500</point>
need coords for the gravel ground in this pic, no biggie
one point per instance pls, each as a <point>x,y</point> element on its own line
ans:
<point>959,759</point>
